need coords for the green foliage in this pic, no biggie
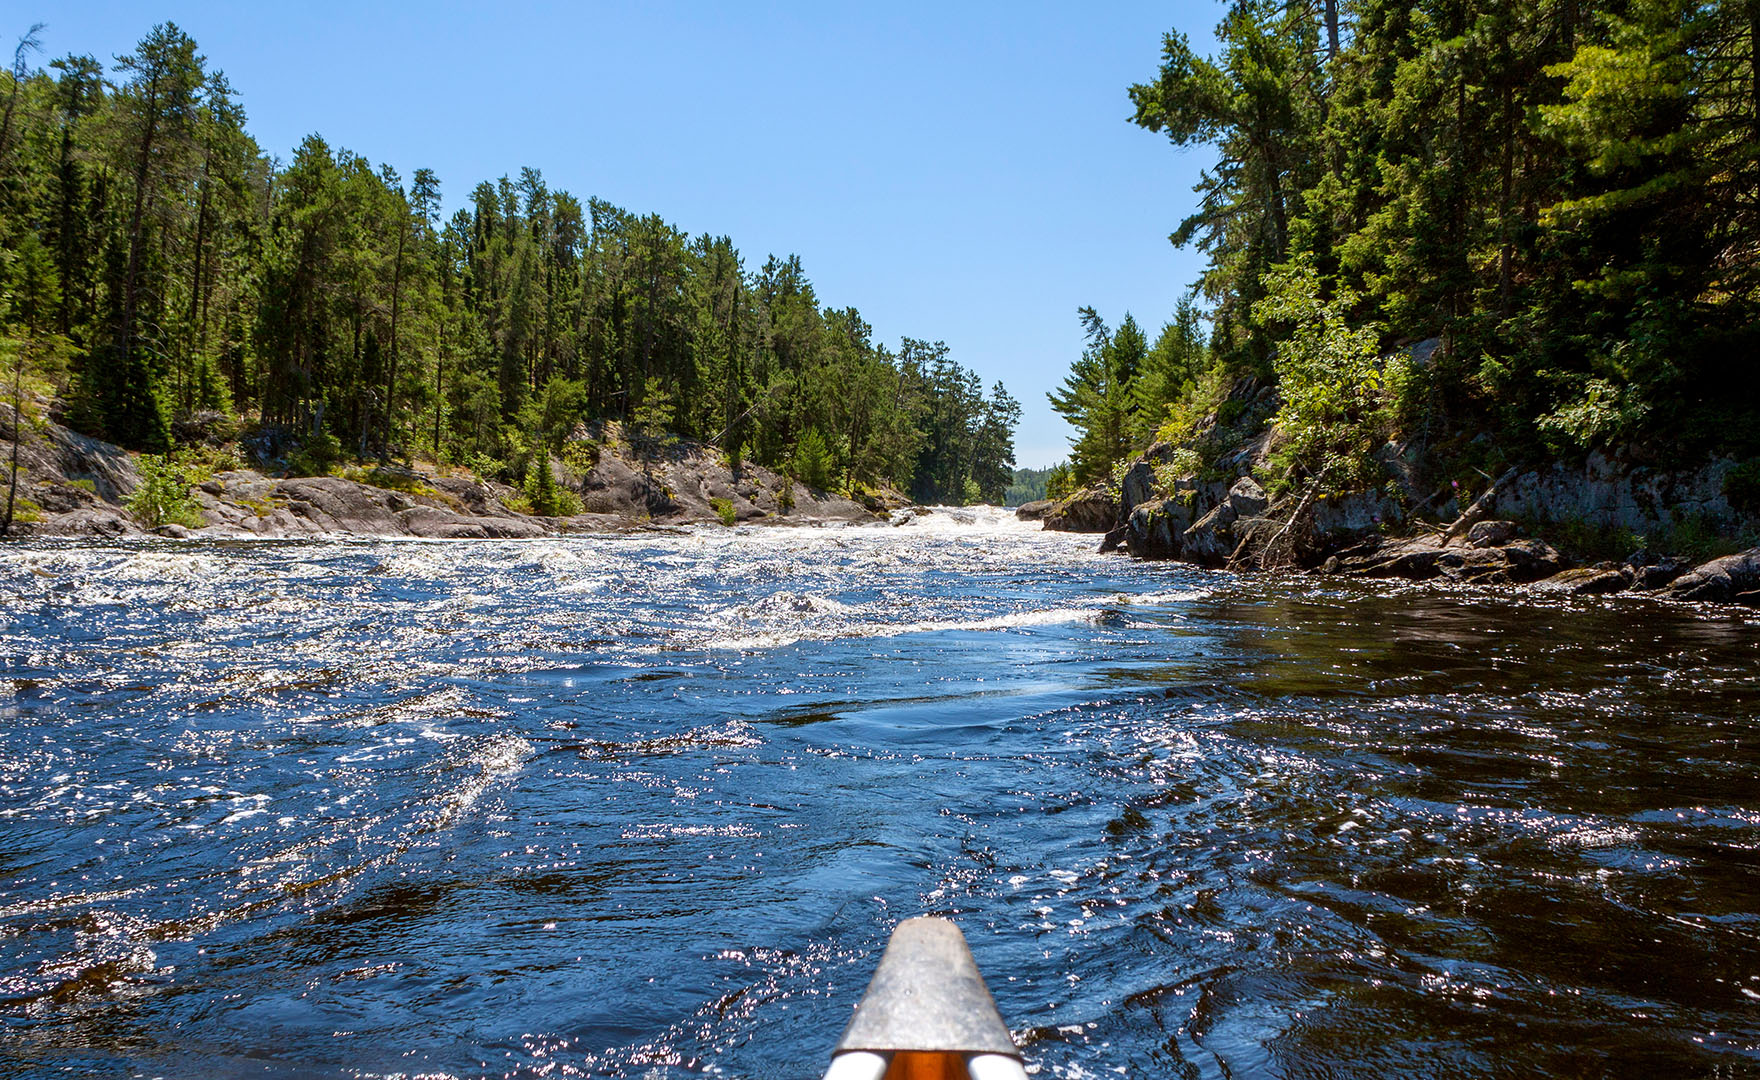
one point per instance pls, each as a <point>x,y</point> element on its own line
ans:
<point>391,480</point>
<point>545,497</point>
<point>724,510</point>
<point>1695,538</point>
<point>162,497</point>
<point>1029,485</point>
<point>1172,365</point>
<point>1602,414</point>
<point>484,467</point>
<point>1339,397</point>
<point>813,462</point>
<point>316,456</point>
<point>210,391</point>
<point>139,219</point>
<point>1561,197</point>
<point>580,457</point>
<point>550,415</point>
<point>1097,397</point>
<point>201,463</point>
<point>1741,486</point>
<point>1202,400</point>
<point>655,414</point>
<point>1061,482</point>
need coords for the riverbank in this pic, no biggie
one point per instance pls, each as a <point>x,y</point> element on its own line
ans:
<point>70,484</point>
<point>1538,528</point>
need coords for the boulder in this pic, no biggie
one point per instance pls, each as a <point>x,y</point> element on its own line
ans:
<point>1415,558</point>
<point>335,505</point>
<point>1491,533</point>
<point>1137,487</point>
<point>1422,557</point>
<point>1210,541</point>
<point>1343,520</point>
<point>1093,510</point>
<point>1516,563</point>
<point>1034,511</point>
<point>1615,493</point>
<point>330,504</point>
<point>96,521</point>
<point>505,526</point>
<point>1589,580</point>
<point>1731,578</point>
<point>1156,530</point>
<point>1650,573</point>
<point>1246,498</point>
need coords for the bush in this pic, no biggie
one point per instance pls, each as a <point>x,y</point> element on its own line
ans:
<point>1741,486</point>
<point>1599,413</point>
<point>1061,481</point>
<point>484,467</point>
<point>724,508</point>
<point>1339,397</point>
<point>546,499</point>
<point>316,456</point>
<point>163,495</point>
<point>408,483</point>
<point>813,461</point>
<point>580,457</point>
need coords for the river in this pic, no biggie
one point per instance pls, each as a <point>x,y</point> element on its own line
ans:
<point>648,806</point>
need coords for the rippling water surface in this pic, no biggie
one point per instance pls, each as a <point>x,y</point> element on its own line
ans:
<point>649,805</point>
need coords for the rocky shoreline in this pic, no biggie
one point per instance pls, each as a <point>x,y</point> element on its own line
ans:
<point>78,486</point>
<point>1237,526</point>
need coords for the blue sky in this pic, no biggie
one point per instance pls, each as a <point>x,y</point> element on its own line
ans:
<point>958,171</point>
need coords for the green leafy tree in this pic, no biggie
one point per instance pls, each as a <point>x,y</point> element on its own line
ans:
<point>323,296</point>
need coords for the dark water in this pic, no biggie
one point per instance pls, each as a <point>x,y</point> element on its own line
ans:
<point>649,806</point>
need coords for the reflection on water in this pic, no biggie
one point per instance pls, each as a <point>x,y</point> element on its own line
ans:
<point>649,806</point>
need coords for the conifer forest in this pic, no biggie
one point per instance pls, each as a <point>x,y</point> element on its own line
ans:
<point>158,264</point>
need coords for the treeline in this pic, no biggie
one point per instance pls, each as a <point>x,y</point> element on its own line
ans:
<point>168,267</point>
<point>1562,195</point>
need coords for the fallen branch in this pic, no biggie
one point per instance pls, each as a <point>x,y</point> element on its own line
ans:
<point>1266,560</point>
<point>1480,507</point>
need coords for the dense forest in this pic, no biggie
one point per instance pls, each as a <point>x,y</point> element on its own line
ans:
<point>158,265</point>
<point>1494,231</point>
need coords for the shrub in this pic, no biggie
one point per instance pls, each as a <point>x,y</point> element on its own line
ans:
<point>316,456</point>
<point>724,508</point>
<point>1061,481</point>
<point>580,457</point>
<point>1741,486</point>
<point>484,467</point>
<point>1598,413</point>
<point>813,461</point>
<point>25,512</point>
<point>163,495</point>
<point>391,480</point>
<point>1339,397</point>
<point>546,499</point>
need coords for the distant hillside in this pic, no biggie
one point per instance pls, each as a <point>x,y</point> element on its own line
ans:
<point>1030,485</point>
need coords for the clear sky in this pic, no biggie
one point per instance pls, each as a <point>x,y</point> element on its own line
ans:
<point>959,171</point>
